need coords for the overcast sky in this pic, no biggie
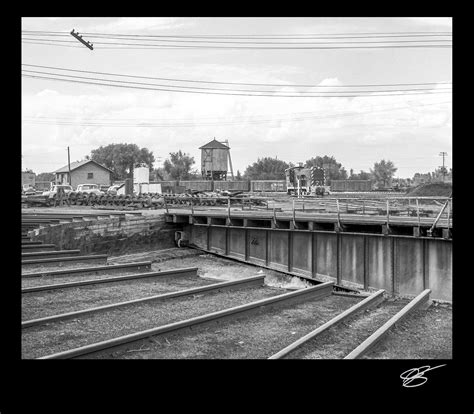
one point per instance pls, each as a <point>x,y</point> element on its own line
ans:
<point>357,131</point>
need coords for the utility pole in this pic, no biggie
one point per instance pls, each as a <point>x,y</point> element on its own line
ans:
<point>69,165</point>
<point>443,154</point>
<point>79,37</point>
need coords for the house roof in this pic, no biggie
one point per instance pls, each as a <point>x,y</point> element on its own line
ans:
<point>214,144</point>
<point>77,164</point>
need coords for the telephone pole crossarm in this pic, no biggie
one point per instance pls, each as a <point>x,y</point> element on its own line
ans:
<point>79,37</point>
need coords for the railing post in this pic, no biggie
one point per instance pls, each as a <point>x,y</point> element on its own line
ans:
<point>338,214</point>
<point>166,205</point>
<point>388,213</point>
<point>449,214</point>
<point>430,231</point>
<point>228,207</point>
<point>294,221</point>
<point>418,213</point>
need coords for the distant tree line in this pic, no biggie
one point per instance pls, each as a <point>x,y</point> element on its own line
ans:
<point>123,158</point>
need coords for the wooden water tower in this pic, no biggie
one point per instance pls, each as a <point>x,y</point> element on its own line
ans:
<point>214,156</point>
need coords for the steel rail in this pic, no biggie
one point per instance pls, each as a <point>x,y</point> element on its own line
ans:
<point>90,269</point>
<point>370,301</point>
<point>54,253</point>
<point>365,346</point>
<point>29,248</point>
<point>246,282</point>
<point>316,292</point>
<point>187,271</point>
<point>54,260</point>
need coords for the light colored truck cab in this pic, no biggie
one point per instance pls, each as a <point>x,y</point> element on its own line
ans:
<point>89,189</point>
<point>54,189</point>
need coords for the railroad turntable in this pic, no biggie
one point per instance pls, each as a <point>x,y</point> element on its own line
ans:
<point>205,300</point>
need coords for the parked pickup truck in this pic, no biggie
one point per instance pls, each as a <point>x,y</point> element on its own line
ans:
<point>54,189</point>
<point>89,189</point>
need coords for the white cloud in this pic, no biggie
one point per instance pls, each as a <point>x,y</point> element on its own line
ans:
<point>331,131</point>
<point>434,21</point>
<point>330,82</point>
<point>139,24</point>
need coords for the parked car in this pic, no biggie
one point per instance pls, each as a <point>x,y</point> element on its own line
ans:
<point>104,188</point>
<point>114,188</point>
<point>54,189</point>
<point>89,189</point>
<point>27,190</point>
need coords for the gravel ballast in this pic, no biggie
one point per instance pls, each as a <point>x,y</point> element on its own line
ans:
<point>255,336</point>
<point>46,303</point>
<point>55,337</point>
<point>426,334</point>
<point>339,341</point>
<point>49,280</point>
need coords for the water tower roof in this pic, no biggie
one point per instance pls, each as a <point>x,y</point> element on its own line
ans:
<point>214,144</point>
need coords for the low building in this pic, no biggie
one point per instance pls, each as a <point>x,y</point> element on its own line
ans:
<point>84,172</point>
<point>28,179</point>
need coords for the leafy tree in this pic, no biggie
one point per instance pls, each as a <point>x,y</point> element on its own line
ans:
<point>29,170</point>
<point>159,174</point>
<point>383,172</point>
<point>334,170</point>
<point>361,176</point>
<point>122,158</point>
<point>178,166</point>
<point>45,177</point>
<point>238,176</point>
<point>266,169</point>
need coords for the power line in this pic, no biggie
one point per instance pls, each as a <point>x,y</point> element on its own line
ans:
<point>119,85</point>
<point>125,46</point>
<point>101,123</point>
<point>219,89</point>
<point>49,44</point>
<point>245,43</point>
<point>49,40</point>
<point>359,35</point>
<point>231,83</point>
<point>271,48</point>
<point>295,115</point>
<point>251,117</point>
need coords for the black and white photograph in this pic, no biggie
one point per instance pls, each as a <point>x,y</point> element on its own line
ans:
<point>238,188</point>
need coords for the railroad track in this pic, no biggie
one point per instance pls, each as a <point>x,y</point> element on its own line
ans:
<point>119,346</point>
<point>270,299</point>
<point>93,313</point>
<point>319,343</point>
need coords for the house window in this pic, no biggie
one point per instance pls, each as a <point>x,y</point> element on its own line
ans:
<point>90,176</point>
